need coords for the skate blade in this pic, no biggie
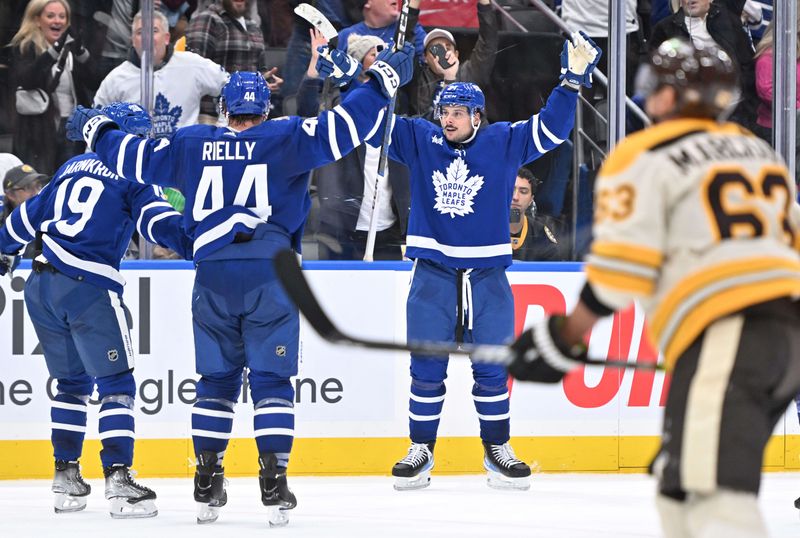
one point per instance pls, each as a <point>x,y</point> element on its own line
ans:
<point>64,504</point>
<point>277,517</point>
<point>403,483</point>
<point>496,480</point>
<point>206,513</point>
<point>122,509</point>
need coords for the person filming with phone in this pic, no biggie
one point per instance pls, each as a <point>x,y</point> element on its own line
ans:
<point>531,238</point>
<point>443,66</point>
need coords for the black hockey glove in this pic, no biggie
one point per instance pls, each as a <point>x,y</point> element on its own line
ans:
<point>541,355</point>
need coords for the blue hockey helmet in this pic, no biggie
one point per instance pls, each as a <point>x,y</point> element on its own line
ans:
<point>131,118</point>
<point>461,94</point>
<point>246,92</point>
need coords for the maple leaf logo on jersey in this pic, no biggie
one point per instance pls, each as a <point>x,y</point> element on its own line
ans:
<point>455,189</point>
<point>165,119</point>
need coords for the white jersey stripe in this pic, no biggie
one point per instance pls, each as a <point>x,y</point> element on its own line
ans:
<point>504,416</point>
<point>275,411</point>
<point>121,154</point>
<point>553,138</point>
<point>67,427</point>
<point>423,418</point>
<point>23,213</point>
<point>13,233</point>
<point>100,269</point>
<point>143,211</point>
<point>378,123</point>
<point>337,154</point>
<point>157,218</point>
<point>487,251</point>
<point>274,431</point>
<point>210,434</point>
<point>536,141</point>
<point>140,159</point>
<point>489,399</point>
<point>114,412</point>
<point>224,227</point>
<point>427,399</point>
<point>351,126</point>
<point>116,433</point>
<point>212,413</point>
<point>68,406</point>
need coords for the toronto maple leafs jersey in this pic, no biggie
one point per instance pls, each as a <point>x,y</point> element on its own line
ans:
<point>697,220</point>
<point>178,87</point>
<point>87,215</point>
<point>461,193</point>
<point>249,182</point>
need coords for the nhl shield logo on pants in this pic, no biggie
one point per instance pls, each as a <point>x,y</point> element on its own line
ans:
<point>112,355</point>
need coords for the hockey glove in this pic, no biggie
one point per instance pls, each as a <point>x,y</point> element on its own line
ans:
<point>578,59</point>
<point>541,355</point>
<point>86,123</point>
<point>8,262</point>
<point>338,65</point>
<point>393,69</point>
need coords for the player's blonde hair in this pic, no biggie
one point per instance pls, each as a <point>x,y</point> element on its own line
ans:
<point>29,34</point>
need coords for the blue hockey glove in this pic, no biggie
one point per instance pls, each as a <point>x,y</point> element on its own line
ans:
<point>338,65</point>
<point>542,356</point>
<point>393,69</point>
<point>8,262</point>
<point>578,59</point>
<point>86,123</point>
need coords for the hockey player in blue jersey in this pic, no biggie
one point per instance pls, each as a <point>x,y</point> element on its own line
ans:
<point>462,182</point>
<point>84,219</point>
<point>246,188</point>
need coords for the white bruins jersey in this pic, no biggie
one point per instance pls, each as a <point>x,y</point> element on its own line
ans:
<point>696,220</point>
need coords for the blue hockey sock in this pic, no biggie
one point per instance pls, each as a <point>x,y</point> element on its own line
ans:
<point>212,423</point>
<point>424,409</point>
<point>273,424</point>
<point>68,420</point>
<point>117,429</point>
<point>492,405</point>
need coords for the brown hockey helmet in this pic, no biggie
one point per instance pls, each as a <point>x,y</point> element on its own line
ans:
<point>705,78</point>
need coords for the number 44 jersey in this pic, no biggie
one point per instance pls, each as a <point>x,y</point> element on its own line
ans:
<point>697,220</point>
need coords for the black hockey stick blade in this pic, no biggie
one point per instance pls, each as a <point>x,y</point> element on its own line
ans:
<point>290,274</point>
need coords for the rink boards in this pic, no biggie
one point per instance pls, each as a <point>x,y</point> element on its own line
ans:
<point>351,404</point>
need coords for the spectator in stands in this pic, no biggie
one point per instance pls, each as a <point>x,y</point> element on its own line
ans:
<point>19,184</point>
<point>225,33</point>
<point>345,188</point>
<point>118,35</point>
<point>54,68</point>
<point>180,80</point>
<point>531,238</point>
<point>380,20</point>
<point>591,16</point>
<point>431,77</point>
<point>716,23</point>
<point>764,69</point>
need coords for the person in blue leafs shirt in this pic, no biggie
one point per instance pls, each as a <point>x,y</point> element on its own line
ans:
<point>82,222</point>
<point>462,182</point>
<point>246,188</point>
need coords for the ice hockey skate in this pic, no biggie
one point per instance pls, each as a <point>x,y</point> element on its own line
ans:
<point>209,487</point>
<point>275,492</point>
<point>128,499</point>
<point>70,489</point>
<point>414,471</point>
<point>505,470</point>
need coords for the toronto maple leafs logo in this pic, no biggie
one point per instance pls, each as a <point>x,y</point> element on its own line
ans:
<point>455,189</point>
<point>437,140</point>
<point>165,119</point>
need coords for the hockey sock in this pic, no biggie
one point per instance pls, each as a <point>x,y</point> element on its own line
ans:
<point>212,423</point>
<point>492,405</point>
<point>273,421</point>
<point>68,418</point>
<point>424,409</point>
<point>116,425</point>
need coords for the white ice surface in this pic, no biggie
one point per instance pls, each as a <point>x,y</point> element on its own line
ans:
<point>557,505</point>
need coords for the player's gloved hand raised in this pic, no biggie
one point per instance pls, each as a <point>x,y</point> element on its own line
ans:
<point>86,123</point>
<point>338,65</point>
<point>578,59</point>
<point>541,355</point>
<point>393,69</point>
<point>8,262</point>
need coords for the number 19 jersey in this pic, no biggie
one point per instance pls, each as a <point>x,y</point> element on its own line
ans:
<point>697,220</point>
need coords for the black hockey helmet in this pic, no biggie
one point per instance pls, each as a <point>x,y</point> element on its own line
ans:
<point>705,78</point>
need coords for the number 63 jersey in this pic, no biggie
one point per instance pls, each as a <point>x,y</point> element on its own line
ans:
<point>697,220</point>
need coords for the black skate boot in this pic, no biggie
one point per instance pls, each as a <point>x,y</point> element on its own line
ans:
<point>70,489</point>
<point>275,492</point>
<point>505,470</point>
<point>209,487</point>
<point>414,471</point>
<point>128,499</point>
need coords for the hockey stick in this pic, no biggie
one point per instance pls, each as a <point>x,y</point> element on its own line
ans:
<point>316,19</point>
<point>296,286</point>
<point>399,43</point>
